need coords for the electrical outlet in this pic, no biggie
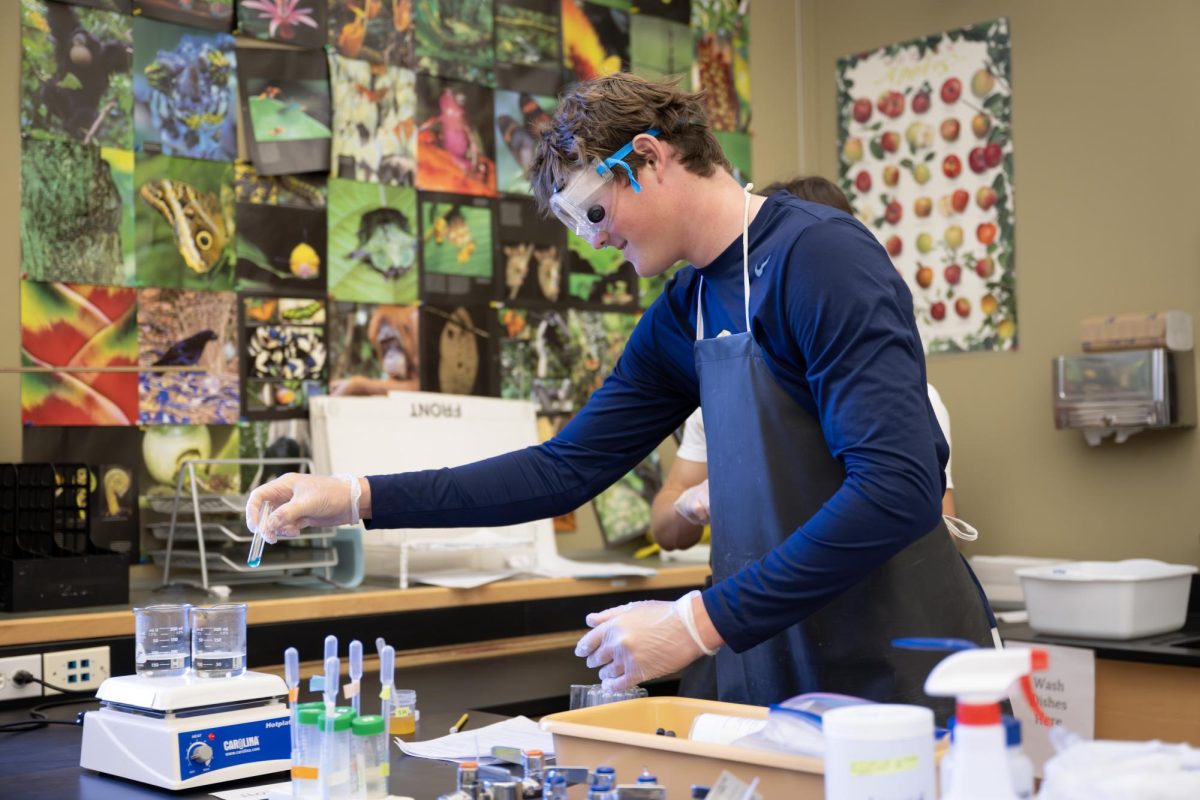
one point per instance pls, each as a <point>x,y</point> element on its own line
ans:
<point>10,667</point>
<point>76,670</point>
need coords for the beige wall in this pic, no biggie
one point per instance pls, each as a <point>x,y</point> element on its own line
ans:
<point>1104,125</point>
<point>1104,117</point>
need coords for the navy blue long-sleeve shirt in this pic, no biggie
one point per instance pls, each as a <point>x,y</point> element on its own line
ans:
<point>835,323</point>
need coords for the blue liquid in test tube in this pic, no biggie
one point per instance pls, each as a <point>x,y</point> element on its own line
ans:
<point>256,546</point>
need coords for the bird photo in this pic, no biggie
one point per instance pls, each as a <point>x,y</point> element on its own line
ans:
<point>178,328</point>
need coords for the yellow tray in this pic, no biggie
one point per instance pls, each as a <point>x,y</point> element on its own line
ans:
<point>622,736</point>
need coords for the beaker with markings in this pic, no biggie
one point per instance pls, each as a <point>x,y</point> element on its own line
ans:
<point>219,640</point>
<point>162,644</point>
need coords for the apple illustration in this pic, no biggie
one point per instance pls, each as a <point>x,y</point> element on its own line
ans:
<point>924,243</point>
<point>920,102</point>
<point>952,274</point>
<point>951,90</point>
<point>988,305</point>
<point>862,181</point>
<point>962,307</point>
<point>949,129</point>
<point>984,267</point>
<point>918,135</point>
<point>1006,329</point>
<point>894,246</point>
<point>959,200</point>
<point>980,125</point>
<point>992,154</point>
<point>982,83</point>
<point>894,212</point>
<point>985,198</point>
<point>954,237</point>
<point>890,104</point>
<point>921,173</point>
<point>862,109</point>
<point>924,276</point>
<point>852,151</point>
<point>922,205</point>
<point>891,175</point>
<point>890,141</point>
<point>951,166</point>
<point>944,207</point>
<point>986,233</point>
<point>976,161</point>
<point>938,311</point>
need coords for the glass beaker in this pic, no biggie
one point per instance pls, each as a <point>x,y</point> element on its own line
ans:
<point>219,640</point>
<point>162,647</point>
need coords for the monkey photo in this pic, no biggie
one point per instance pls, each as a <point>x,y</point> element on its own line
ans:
<point>76,72</point>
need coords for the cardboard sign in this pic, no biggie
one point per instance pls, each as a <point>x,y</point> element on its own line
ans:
<point>1067,694</point>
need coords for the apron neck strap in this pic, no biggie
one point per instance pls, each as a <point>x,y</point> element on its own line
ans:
<point>745,268</point>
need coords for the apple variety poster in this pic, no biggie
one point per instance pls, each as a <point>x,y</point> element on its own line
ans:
<point>925,138</point>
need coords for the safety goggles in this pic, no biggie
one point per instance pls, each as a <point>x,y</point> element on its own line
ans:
<point>578,203</point>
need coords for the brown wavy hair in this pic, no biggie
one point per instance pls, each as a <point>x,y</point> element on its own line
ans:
<point>596,118</point>
<point>815,189</point>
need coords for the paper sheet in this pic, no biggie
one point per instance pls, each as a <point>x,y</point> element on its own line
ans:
<point>550,565</point>
<point>254,792</point>
<point>476,745</point>
<point>461,578</point>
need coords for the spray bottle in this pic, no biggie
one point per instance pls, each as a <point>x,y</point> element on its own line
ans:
<point>979,680</point>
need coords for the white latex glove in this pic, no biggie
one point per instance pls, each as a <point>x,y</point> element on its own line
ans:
<point>638,642</point>
<point>692,504</point>
<point>300,501</point>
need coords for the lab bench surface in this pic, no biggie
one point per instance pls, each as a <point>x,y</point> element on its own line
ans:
<point>1179,648</point>
<point>45,763</point>
<point>275,604</point>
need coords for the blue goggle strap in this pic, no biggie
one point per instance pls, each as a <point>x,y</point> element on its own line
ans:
<point>617,159</point>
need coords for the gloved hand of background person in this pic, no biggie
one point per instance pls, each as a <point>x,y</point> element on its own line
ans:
<point>638,642</point>
<point>692,504</point>
<point>300,501</point>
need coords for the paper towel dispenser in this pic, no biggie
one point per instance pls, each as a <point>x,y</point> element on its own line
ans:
<point>1124,392</point>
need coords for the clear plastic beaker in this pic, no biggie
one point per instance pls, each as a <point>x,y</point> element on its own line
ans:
<point>162,645</point>
<point>219,640</point>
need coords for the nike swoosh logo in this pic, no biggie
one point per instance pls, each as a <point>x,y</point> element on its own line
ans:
<point>758,271</point>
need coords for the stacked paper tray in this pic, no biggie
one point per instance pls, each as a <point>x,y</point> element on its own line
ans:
<point>622,736</point>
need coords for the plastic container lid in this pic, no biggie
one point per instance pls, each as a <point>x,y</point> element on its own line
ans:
<point>367,725</point>
<point>343,717</point>
<point>1133,569</point>
<point>1012,731</point>
<point>309,713</point>
<point>877,722</point>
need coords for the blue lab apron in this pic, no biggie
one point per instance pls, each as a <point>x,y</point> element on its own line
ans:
<point>769,471</point>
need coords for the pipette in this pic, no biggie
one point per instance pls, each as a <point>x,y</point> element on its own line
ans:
<point>387,669</point>
<point>291,676</point>
<point>355,675</point>
<point>260,539</point>
<point>329,691</point>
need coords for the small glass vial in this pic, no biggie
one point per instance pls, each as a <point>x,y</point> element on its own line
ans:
<point>604,784</point>
<point>306,768</point>
<point>163,644</point>
<point>335,752</point>
<point>555,787</point>
<point>467,783</point>
<point>404,713</point>
<point>369,757</point>
<point>219,640</point>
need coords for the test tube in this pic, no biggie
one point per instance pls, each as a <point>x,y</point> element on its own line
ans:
<point>306,762</point>
<point>260,539</point>
<point>162,647</point>
<point>219,640</point>
<point>335,752</point>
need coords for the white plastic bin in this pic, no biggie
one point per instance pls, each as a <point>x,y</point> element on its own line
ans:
<point>1107,599</point>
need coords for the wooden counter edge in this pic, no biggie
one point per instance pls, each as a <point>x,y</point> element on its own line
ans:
<point>102,624</point>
